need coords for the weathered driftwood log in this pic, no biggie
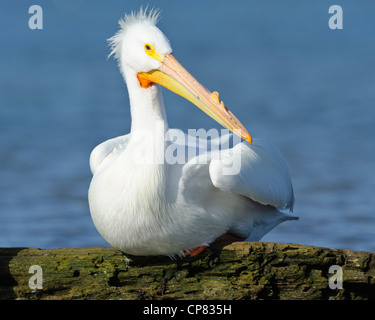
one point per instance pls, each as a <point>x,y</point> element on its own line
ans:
<point>241,270</point>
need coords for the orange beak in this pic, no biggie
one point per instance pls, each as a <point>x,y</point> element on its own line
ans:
<point>176,78</point>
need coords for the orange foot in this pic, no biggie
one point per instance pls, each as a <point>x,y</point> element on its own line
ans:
<point>226,237</point>
<point>195,252</point>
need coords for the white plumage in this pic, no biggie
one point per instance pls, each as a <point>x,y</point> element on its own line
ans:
<point>144,205</point>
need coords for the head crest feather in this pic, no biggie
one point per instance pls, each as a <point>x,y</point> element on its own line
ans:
<point>142,16</point>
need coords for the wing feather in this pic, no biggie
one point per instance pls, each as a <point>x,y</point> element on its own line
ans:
<point>107,151</point>
<point>263,174</point>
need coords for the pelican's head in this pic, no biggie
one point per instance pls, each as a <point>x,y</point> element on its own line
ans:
<point>142,47</point>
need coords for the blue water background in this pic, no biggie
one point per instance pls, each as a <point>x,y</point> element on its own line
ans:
<point>277,65</point>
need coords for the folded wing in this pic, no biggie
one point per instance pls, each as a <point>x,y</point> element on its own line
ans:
<point>257,171</point>
<point>107,151</point>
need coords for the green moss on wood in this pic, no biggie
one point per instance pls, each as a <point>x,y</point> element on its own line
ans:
<point>241,270</point>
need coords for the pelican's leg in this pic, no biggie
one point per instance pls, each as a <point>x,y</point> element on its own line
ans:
<point>226,237</point>
<point>196,251</point>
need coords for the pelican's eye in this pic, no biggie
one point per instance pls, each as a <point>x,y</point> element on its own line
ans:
<point>152,52</point>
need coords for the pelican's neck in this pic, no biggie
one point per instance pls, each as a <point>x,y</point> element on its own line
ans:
<point>146,105</point>
<point>149,124</point>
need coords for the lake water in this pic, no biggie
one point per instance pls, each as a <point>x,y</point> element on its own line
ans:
<point>283,72</point>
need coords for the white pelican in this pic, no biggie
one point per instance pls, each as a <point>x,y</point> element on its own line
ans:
<point>156,208</point>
